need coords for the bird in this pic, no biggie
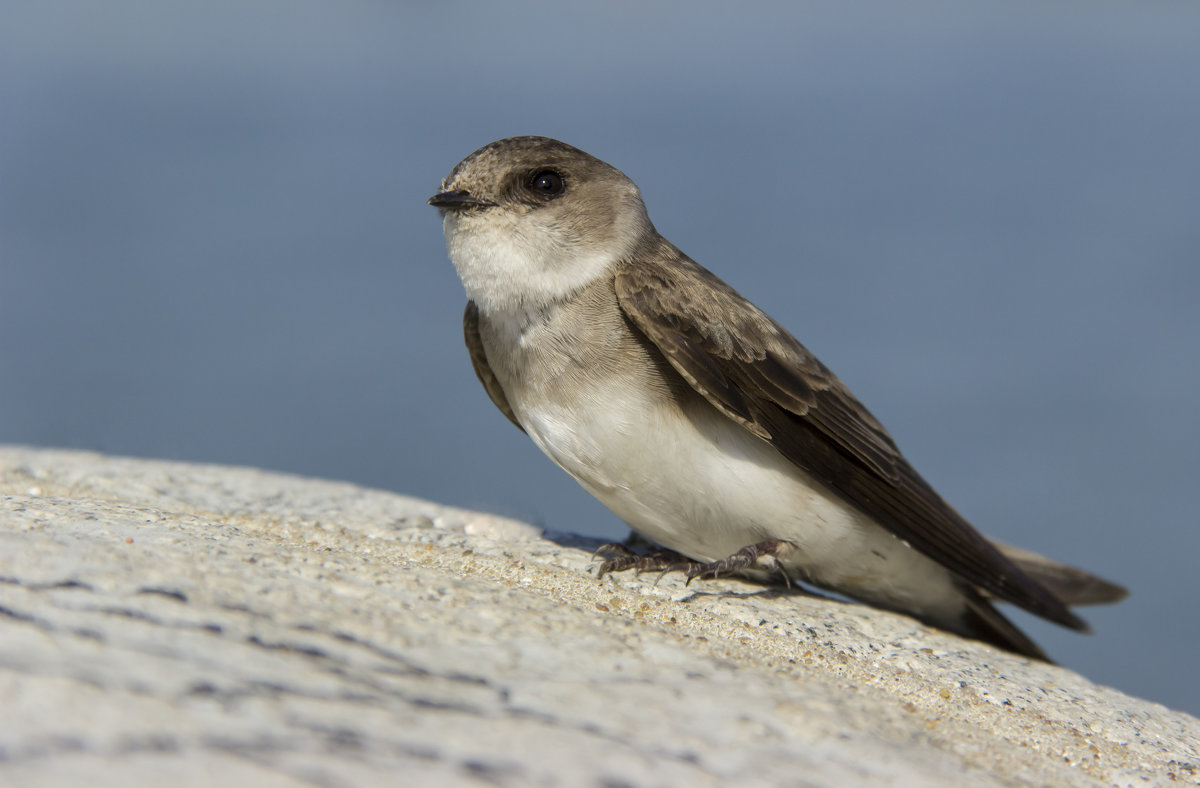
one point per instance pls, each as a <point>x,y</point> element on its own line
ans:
<point>699,420</point>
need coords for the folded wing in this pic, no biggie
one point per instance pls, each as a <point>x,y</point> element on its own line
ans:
<point>757,374</point>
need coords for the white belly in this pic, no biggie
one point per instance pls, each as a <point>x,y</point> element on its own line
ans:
<point>705,487</point>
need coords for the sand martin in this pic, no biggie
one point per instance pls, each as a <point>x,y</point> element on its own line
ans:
<point>699,420</point>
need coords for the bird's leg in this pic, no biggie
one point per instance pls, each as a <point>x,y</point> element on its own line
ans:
<point>746,558</point>
<point>618,558</point>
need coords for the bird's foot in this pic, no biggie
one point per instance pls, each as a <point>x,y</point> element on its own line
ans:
<point>748,557</point>
<point>618,558</point>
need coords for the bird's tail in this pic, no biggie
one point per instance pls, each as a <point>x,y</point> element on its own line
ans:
<point>984,622</point>
<point>1073,586</point>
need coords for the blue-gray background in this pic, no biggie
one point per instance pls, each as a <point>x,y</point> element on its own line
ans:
<point>214,244</point>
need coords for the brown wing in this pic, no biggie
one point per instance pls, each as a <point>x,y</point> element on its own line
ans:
<point>479,361</point>
<point>757,374</point>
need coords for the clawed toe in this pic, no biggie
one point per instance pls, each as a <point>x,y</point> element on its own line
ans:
<point>746,558</point>
<point>620,558</point>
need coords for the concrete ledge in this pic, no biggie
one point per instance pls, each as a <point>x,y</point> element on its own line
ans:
<point>167,623</point>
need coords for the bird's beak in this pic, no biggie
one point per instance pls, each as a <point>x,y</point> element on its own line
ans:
<point>458,200</point>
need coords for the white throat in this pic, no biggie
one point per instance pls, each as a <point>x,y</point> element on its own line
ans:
<point>519,264</point>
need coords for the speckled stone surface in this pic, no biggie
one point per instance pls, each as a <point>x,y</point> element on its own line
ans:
<point>166,623</point>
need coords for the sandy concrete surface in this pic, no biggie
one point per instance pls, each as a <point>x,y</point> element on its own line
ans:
<point>190,625</point>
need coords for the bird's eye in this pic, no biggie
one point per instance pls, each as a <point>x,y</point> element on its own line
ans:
<point>547,183</point>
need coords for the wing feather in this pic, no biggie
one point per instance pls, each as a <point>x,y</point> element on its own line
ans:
<point>755,372</point>
<point>479,361</point>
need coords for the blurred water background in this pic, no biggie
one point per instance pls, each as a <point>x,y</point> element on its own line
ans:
<point>985,217</point>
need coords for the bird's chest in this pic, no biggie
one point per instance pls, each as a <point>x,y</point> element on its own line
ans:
<point>582,385</point>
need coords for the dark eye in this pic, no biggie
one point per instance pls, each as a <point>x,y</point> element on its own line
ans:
<point>546,182</point>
